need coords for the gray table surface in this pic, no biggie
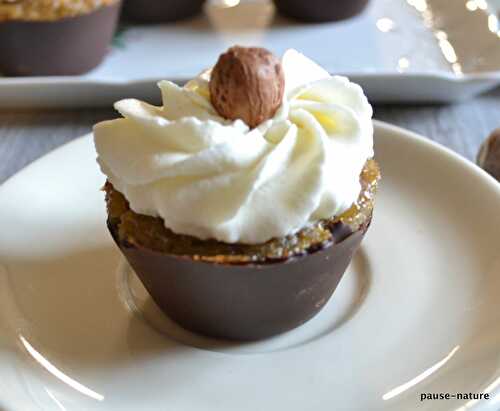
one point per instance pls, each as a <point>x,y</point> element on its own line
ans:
<point>27,135</point>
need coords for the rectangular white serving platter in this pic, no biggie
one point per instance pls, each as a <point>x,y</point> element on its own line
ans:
<point>398,50</point>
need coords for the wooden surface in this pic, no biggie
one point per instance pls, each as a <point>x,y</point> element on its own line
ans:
<point>25,136</point>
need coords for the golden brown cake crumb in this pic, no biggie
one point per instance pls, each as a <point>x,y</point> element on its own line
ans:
<point>47,10</point>
<point>149,232</point>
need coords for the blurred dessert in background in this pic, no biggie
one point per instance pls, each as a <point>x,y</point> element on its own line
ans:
<point>320,10</point>
<point>157,11</point>
<point>488,157</point>
<point>72,37</point>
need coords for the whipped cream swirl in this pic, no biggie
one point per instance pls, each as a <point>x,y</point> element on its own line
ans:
<point>213,178</point>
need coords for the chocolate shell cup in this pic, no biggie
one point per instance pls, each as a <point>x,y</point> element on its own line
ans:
<point>244,301</point>
<point>158,11</point>
<point>316,11</point>
<point>68,46</point>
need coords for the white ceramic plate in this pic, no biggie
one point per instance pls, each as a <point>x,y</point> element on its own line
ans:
<point>417,312</point>
<point>398,50</point>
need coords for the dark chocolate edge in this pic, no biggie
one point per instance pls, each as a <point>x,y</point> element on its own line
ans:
<point>340,232</point>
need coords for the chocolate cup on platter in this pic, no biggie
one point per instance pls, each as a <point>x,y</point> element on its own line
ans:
<point>317,11</point>
<point>243,301</point>
<point>158,11</point>
<point>68,46</point>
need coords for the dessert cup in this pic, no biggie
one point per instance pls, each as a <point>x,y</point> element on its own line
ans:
<point>157,11</point>
<point>243,293</point>
<point>320,10</point>
<point>65,46</point>
<point>244,301</point>
<point>240,206</point>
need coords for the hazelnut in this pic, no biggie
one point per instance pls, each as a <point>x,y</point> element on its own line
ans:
<point>247,84</point>
<point>488,157</point>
